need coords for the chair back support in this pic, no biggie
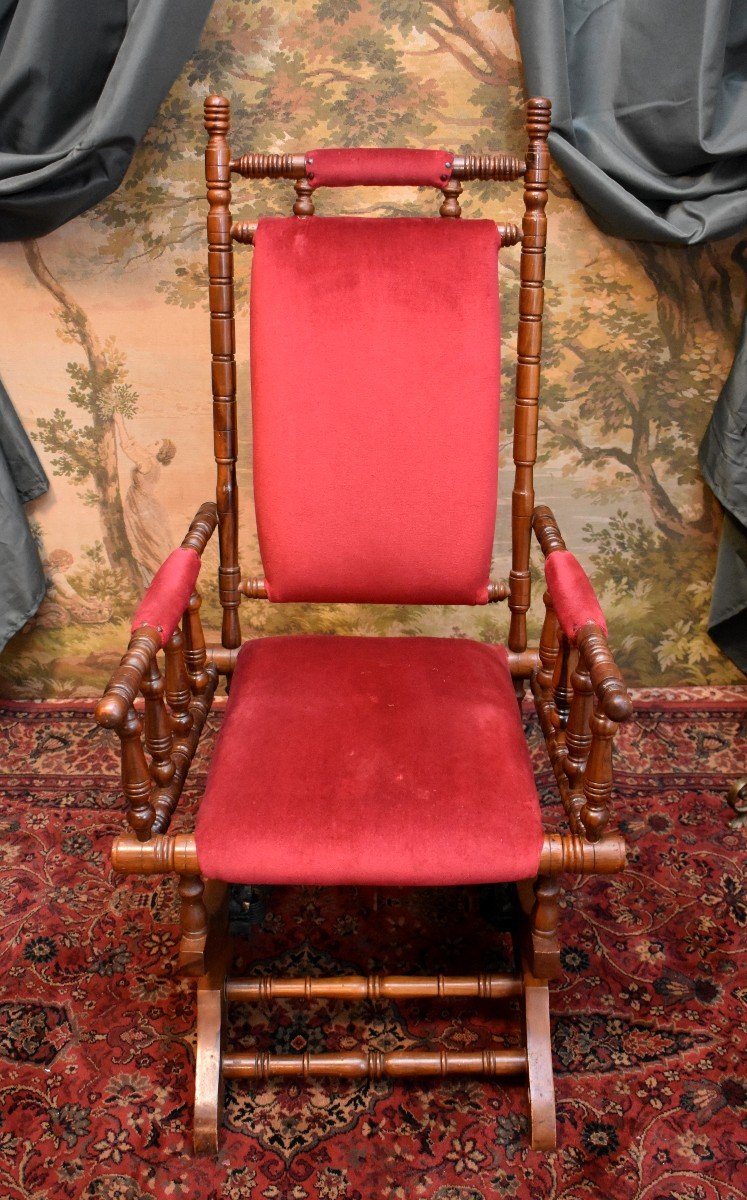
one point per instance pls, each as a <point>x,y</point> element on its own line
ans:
<point>375,408</point>
<point>296,417</point>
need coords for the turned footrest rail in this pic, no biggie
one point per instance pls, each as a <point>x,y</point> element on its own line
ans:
<point>264,988</point>
<point>373,1064</point>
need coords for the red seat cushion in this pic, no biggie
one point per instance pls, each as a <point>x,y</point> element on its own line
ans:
<point>392,761</point>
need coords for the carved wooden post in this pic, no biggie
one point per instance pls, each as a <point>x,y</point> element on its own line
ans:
<point>157,726</point>
<point>178,695</point>
<point>544,926</point>
<point>195,654</point>
<point>562,691</point>
<point>136,780</point>
<point>304,202</point>
<point>578,738</point>
<point>223,346</point>
<point>194,917</point>
<point>451,206</point>
<point>598,777</point>
<point>531,300</point>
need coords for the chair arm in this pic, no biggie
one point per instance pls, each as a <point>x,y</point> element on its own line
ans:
<point>157,616</point>
<point>580,616</point>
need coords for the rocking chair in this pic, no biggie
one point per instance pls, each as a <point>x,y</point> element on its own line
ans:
<point>357,760</point>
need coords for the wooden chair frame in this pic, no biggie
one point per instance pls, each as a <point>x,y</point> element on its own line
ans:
<point>578,691</point>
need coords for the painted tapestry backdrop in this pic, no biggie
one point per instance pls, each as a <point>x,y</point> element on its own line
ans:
<point>104,345</point>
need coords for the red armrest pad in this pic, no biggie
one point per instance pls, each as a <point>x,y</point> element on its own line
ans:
<point>573,597</point>
<point>168,595</point>
<point>383,168</point>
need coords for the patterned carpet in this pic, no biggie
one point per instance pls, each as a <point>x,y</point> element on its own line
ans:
<point>96,1033</point>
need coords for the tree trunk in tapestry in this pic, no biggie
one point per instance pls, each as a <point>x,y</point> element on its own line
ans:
<point>88,454</point>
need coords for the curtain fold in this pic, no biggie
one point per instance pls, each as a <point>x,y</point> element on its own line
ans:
<point>649,126</point>
<point>79,85</point>
<point>22,478</point>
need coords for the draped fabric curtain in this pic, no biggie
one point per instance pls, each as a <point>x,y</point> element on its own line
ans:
<point>80,83</point>
<point>650,127</point>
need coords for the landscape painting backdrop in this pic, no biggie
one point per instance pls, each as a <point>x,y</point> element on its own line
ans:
<point>104,345</point>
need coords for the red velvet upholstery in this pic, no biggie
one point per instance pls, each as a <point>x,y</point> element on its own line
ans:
<point>370,761</point>
<point>169,591</point>
<point>573,597</point>
<point>375,388</point>
<point>347,168</point>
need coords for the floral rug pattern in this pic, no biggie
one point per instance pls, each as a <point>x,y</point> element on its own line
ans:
<point>96,1041</point>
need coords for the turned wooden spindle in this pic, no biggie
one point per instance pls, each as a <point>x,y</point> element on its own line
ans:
<point>548,651</point>
<point>223,348</point>
<point>375,1064</point>
<point>265,989</point>
<point>195,656</point>
<point>529,344</point>
<point>578,733</point>
<point>595,812</point>
<point>178,694</point>
<point>561,683</point>
<point>157,725</point>
<point>451,192</point>
<point>304,204</point>
<point>136,779</point>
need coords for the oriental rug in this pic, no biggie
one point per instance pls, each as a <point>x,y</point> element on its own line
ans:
<point>96,1040</point>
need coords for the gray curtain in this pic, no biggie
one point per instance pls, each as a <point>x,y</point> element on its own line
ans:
<point>22,478</point>
<point>80,82</point>
<point>650,127</point>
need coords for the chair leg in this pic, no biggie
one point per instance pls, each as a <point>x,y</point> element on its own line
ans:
<point>211,1022</point>
<point>541,1086</point>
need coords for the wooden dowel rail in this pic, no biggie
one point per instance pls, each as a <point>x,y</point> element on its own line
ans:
<point>373,1064</point>
<point>178,852</point>
<point>373,987</point>
<point>244,231</point>
<point>521,663</point>
<point>256,589</point>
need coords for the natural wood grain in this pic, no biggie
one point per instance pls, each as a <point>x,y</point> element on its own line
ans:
<point>223,349</point>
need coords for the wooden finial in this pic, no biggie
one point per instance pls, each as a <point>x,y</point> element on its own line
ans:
<point>539,110</point>
<point>217,115</point>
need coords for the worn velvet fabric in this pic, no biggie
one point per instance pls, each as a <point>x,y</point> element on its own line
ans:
<point>346,168</point>
<point>397,761</point>
<point>375,394</point>
<point>22,478</point>
<point>649,103</point>
<point>167,596</point>
<point>80,83</point>
<point>573,597</point>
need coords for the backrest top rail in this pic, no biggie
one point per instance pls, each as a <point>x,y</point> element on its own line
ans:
<point>498,167</point>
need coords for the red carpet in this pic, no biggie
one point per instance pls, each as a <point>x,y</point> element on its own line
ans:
<point>95,1033</point>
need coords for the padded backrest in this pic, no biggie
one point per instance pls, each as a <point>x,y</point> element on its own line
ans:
<point>375,395</point>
